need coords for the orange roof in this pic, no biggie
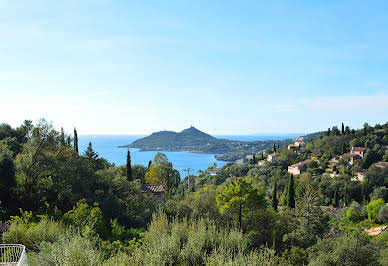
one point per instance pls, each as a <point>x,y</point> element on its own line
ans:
<point>302,163</point>
<point>301,142</point>
<point>349,155</point>
<point>382,164</point>
<point>359,149</point>
<point>375,231</point>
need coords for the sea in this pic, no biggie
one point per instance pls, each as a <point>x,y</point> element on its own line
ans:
<point>107,146</point>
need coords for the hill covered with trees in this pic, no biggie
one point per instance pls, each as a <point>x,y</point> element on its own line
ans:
<point>194,140</point>
<point>71,207</point>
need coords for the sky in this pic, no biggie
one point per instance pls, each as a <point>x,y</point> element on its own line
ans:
<point>225,67</point>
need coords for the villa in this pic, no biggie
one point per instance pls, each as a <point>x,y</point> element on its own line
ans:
<point>298,168</point>
<point>297,145</point>
<point>350,157</point>
<point>359,151</point>
<point>157,190</point>
<point>272,156</point>
<point>214,171</point>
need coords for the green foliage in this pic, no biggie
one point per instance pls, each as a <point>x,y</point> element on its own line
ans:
<point>291,193</point>
<point>25,229</point>
<point>69,249</point>
<point>373,208</point>
<point>239,197</point>
<point>129,166</point>
<point>383,214</point>
<point>86,218</point>
<point>347,250</point>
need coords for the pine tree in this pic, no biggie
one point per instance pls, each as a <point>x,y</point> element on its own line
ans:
<point>129,167</point>
<point>75,141</point>
<point>291,193</point>
<point>90,153</point>
<point>343,129</point>
<point>62,138</point>
<point>274,198</point>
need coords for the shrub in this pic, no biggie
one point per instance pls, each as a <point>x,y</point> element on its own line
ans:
<point>373,208</point>
<point>24,231</point>
<point>383,214</point>
<point>69,249</point>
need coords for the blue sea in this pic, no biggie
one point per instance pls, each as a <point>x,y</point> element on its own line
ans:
<point>107,146</point>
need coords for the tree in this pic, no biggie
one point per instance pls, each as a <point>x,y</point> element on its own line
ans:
<point>129,167</point>
<point>90,154</point>
<point>75,141</point>
<point>343,129</point>
<point>343,148</point>
<point>291,193</point>
<point>162,172</point>
<point>373,208</point>
<point>365,128</point>
<point>383,214</point>
<point>68,141</point>
<point>274,147</point>
<point>274,198</point>
<point>336,198</point>
<point>238,198</point>
<point>62,138</point>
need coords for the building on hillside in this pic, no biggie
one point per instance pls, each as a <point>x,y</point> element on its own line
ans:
<point>350,157</point>
<point>301,145</point>
<point>214,171</point>
<point>298,168</point>
<point>156,190</point>
<point>261,162</point>
<point>381,164</point>
<point>249,157</point>
<point>240,161</point>
<point>360,176</point>
<point>316,156</point>
<point>272,157</point>
<point>375,231</point>
<point>359,151</point>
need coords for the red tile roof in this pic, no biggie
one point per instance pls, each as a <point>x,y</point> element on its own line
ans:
<point>375,231</point>
<point>152,188</point>
<point>349,155</point>
<point>359,149</point>
<point>302,162</point>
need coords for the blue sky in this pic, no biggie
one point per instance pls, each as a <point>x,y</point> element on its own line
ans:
<point>226,67</point>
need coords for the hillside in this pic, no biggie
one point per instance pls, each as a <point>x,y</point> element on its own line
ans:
<point>194,140</point>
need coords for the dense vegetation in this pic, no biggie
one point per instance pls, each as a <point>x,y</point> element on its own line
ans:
<point>78,209</point>
<point>194,140</point>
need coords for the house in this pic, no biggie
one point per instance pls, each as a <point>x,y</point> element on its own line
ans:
<point>157,190</point>
<point>381,164</point>
<point>261,162</point>
<point>350,157</point>
<point>359,151</point>
<point>214,171</point>
<point>249,157</point>
<point>297,145</point>
<point>359,177</point>
<point>272,156</point>
<point>316,156</point>
<point>375,231</point>
<point>298,168</point>
<point>240,161</point>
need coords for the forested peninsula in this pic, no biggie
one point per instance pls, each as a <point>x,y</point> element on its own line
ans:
<point>194,140</point>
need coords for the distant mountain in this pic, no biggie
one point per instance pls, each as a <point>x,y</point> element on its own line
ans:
<point>194,140</point>
<point>310,136</point>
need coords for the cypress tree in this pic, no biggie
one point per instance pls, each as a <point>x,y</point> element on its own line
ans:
<point>291,193</point>
<point>343,129</point>
<point>336,200</point>
<point>343,148</point>
<point>262,155</point>
<point>68,141</point>
<point>274,148</point>
<point>274,198</point>
<point>75,141</point>
<point>129,167</point>
<point>149,165</point>
<point>62,138</point>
